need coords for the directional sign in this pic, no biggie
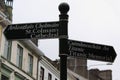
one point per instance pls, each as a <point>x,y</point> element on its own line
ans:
<point>43,30</point>
<point>91,51</point>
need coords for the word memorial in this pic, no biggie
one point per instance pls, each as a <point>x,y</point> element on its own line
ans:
<point>91,51</point>
<point>33,30</point>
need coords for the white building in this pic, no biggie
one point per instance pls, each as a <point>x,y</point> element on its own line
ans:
<point>47,71</point>
<point>18,59</point>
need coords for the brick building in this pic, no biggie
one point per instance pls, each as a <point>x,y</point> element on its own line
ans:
<point>96,74</point>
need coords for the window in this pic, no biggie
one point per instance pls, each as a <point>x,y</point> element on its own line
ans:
<point>7,50</point>
<point>42,73</point>
<point>3,77</point>
<point>19,56</point>
<point>49,76</point>
<point>55,79</point>
<point>30,64</point>
<point>77,79</point>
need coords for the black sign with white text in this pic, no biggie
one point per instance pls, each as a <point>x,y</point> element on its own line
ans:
<point>91,51</point>
<point>43,30</point>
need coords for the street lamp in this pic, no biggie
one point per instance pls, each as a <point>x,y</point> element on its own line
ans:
<point>97,65</point>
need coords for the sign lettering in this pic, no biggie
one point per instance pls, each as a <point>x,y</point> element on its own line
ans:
<point>33,30</point>
<point>91,51</point>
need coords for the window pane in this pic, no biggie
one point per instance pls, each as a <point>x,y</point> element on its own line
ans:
<point>42,73</point>
<point>4,77</point>
<point>30,64</point>
<point>19,56</point>
<point>77,79</point>
<point>7,49</point>
<point>55,79</point>
<point>49,76</point>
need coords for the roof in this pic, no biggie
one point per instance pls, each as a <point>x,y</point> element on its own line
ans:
<point>32,47</point>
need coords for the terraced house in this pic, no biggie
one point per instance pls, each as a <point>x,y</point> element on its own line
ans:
<point>18,59</point>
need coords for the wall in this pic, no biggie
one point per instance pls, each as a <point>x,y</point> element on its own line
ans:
<point>0,36</point>
<point>48,68</point>
<point>12,63</point>
<point>78,65</point>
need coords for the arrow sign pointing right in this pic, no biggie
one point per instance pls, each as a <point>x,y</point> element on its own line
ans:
<point>91,51</point>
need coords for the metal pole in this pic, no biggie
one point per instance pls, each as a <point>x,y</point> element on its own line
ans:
<point>63,42</point>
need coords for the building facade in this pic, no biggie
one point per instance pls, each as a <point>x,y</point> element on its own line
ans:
<point>78,66</point>
<point>96,74</point>
<point>74,76</point>
<point>47,71</point>
<point>18,59</point>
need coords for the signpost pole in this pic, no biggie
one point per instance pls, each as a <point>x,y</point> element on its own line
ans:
<point>63,43</point>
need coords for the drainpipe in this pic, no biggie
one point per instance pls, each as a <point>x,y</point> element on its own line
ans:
<point>37,68</point>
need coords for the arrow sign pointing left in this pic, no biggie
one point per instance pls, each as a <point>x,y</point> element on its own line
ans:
<point>42,30</point>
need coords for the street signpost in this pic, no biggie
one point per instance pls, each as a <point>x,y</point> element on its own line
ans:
<point>91,51</point>
<point>63,18</point>
<point>59,29</point>
<point>44,30</point>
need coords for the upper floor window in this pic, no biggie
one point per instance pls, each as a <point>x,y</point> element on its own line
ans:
<point>30,64</point>
<point>55,79</point>
<point>49,76</point>
<point>7,49</point>
<point>19,56</point>
<point>3,77</point>
<point>41,73</point>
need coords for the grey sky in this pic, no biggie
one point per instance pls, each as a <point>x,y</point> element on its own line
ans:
<point>95,21</point>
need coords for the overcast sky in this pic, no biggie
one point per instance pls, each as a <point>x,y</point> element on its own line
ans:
<point>96,21</point>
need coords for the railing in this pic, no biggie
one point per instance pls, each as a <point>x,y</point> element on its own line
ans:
<point>9,3</point>
<point>4,19</point>
<point>2,15</point>
<point>6,3</point>
<point>6,7</point>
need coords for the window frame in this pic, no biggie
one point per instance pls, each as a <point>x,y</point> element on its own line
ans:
<point>7,50</point>
<point>19,56</point>
<point>30,64</point>
<point>49,76</point>
<point>4,76</point>
<point>42,72</point>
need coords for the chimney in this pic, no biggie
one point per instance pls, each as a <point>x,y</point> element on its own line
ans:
<point>35,41</point>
